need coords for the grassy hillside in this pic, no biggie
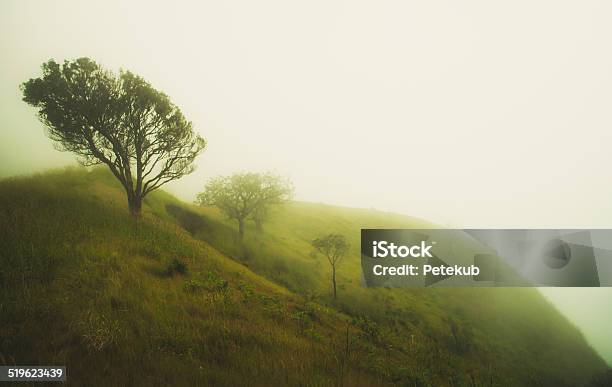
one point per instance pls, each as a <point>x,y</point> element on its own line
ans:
<point>512,332</point>
<point>174,299</point>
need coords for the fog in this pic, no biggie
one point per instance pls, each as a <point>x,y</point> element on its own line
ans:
<point>471,114</point>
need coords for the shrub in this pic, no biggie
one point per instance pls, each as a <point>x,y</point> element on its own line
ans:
<point>216,283</point>
<point>246,290</point>
<point>272,306</point>
<point>304,318</point>
<point>369,329</point>
<point>99,332</point>
<point>194,286</point>
<point>175,267</point>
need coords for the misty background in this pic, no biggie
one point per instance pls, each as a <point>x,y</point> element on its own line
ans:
<point>469,115</point>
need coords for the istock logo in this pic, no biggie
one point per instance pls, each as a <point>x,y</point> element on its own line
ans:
<point>383,249</point>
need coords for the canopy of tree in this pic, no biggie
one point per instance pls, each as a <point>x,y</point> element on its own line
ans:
<point>334,247</point>
<point>245,195</point>
<point>120,121</point>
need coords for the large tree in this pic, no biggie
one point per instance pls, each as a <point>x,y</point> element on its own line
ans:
<point>245,195</point>
<point>117,120</point>
<point>334,247</point>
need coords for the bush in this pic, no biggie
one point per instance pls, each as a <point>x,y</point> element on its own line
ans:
<point>304,316</point>
<point>175,267</point>
<point>216,283</point>
<point>194,286</point>
<point>246,290</point>
<point>99,332</point>
<point>369,329</point>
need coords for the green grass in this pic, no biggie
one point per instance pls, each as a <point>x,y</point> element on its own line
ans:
<point>176,299</point>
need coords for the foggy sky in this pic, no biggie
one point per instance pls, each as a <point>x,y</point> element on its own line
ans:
<point>469,114</point>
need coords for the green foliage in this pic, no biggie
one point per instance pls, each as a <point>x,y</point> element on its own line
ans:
<point>244,195</point>
<point>246,290</point>
<point>305,316</point>
<point>369,329</point>
<point>194,286</point>
<point>333,246</point>
<point>175,266</point>
<point>120,121</point>
<point>216,283</point>
<point>99,332</point>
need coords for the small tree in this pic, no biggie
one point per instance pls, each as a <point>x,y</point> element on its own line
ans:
<point>242,195</point>
<point>334,247</point>
<point>120,121</point>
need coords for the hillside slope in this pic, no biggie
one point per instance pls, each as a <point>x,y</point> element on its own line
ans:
<point>512,332</point>
<point>155,304</point>
<point>120,304</point>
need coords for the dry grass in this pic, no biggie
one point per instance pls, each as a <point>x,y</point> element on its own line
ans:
<point>148,304</point>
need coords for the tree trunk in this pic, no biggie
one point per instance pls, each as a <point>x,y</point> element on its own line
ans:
<point>334,280</point>
<point>241,228</point>
<point>135,205</point>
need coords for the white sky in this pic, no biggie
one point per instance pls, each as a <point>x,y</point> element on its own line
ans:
<point>470,114</point>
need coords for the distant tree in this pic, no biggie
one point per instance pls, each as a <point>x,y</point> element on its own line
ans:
<point>245,195</point>
<point>259,216</point>
<point>120,121</point>
<point>334,247</point>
